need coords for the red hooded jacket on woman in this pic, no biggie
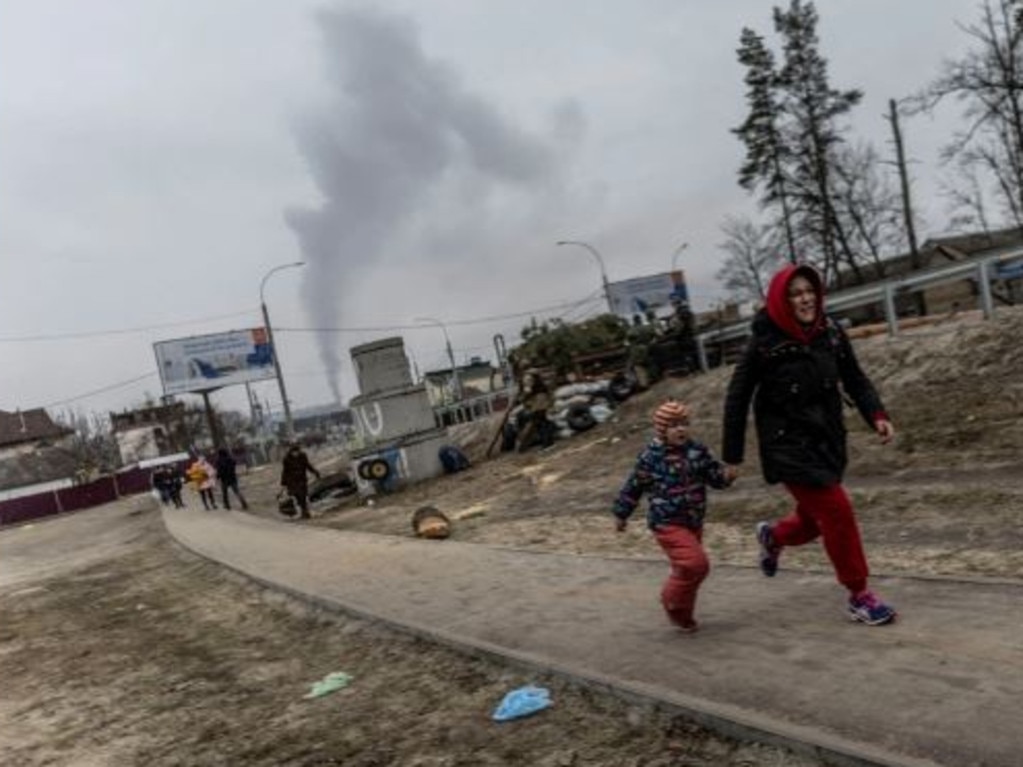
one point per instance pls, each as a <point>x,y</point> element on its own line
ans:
<point>795,375</point>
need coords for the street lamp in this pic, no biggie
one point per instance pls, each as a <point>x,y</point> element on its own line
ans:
<point>456,384</point>
<point>600,262</point>
<point>289,425</point>
<point>677,253</point>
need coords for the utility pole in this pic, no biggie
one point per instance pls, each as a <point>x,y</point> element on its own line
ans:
<point>907,209</point>
<point>289,425</point>
<point>211,420</point>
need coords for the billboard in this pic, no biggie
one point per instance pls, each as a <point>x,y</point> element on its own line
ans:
<point>642,294</point>
<point>204,363</point>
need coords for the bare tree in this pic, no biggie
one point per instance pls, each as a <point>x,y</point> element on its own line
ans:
<point>867,204</point>
<point>988,80</point>
<point>92,445</point>
<point>754,251</point>
<point>969,205</point>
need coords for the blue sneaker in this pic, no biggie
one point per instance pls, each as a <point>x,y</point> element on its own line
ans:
<point>769,550</point>
<point>868,608</point>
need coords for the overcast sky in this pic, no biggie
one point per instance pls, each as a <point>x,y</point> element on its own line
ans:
<point>159,157</point>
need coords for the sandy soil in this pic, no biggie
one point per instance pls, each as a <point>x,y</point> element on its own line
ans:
<point>148,656</point>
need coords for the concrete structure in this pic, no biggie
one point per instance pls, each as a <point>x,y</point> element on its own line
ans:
<point>149,432</point>
<point>393,417</point>
<point>381,366</point>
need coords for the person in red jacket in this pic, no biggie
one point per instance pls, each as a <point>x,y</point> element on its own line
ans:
<point>795,369</point>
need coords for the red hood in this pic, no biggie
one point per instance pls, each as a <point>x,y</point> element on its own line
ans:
<point>778,308</point>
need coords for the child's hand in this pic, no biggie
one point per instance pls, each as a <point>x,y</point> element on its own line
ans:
<point>621,524</point>
<point>731,473</point>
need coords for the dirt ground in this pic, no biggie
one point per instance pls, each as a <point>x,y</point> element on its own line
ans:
<point>153,657</point>
<point>150,656</point>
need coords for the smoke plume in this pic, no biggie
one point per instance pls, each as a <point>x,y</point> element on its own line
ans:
<point>398,125</point>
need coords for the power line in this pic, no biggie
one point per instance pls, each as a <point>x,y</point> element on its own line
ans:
<point>94,392</point>
<point>569,307</point>
<point>117,332</point>
<point>583,310</point>
<point>178,323</point>
<point>450,323</point>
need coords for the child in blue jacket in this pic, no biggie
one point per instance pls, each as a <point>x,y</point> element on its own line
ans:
<point>674,471</point>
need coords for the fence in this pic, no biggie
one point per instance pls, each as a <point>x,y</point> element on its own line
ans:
<point>99,491</point>
<point>1007,265</point>
<point>472,408</point>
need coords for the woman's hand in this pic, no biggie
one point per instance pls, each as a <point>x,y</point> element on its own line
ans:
<point>884,430</point>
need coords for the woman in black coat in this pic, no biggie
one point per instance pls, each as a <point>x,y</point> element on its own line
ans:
<point>795,370</point>
<point>294,479</point>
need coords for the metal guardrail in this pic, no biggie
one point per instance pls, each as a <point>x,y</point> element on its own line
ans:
<point>471,408</point>
<point>885,292</point>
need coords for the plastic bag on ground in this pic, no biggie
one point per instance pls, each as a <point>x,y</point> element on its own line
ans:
<point>332,682</point>
<point>522,702</point>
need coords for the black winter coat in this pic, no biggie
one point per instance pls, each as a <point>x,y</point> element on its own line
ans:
<point>797,403</point>
<point>293,472</point>
<point>227,469</point>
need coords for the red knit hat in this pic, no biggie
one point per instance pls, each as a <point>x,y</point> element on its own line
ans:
<point>667,414</point>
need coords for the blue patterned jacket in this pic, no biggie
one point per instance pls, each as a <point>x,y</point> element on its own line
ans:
<point>675,480</point>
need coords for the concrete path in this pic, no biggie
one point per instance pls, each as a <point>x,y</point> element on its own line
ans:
<point>775,660</point>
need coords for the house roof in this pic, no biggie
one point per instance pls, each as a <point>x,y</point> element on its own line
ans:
<point>976,242</point>
<point>29,426</point>
<point>936,251</point>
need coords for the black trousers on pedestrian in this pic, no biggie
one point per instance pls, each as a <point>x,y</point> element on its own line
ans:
<point>225,486</point>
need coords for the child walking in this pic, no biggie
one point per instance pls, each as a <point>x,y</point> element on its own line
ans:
<point>674,471</point>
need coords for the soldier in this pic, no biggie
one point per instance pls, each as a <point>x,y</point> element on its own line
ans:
<point>536,399</point>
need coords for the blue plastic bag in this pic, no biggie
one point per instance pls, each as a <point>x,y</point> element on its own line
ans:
<point>522,702</point>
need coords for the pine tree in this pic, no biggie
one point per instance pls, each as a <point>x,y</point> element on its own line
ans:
<point>791,133</point>
<point>812,108</point>
<point>766,153</point>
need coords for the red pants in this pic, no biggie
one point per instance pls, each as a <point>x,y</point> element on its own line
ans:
<point>689,566</point>
<point>826,512</point>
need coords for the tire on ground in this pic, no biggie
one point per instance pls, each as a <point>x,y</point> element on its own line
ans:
<point>579,418</point>
<point>621,387</point>
<point>378,469</point>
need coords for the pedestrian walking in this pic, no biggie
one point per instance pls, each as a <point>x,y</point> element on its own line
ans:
<point>159,481</point>
<point>795,369</point>
<point>203,477</point>
<point>174,484</point>
<point>674,471</point>
<point>227,475</point>
<point>294,476</point>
